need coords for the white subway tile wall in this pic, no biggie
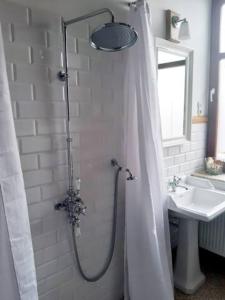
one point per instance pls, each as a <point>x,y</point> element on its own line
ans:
<point>33,45</point>
<point>189,157</point>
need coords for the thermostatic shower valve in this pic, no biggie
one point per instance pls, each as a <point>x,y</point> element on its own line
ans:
<point>73,205</point>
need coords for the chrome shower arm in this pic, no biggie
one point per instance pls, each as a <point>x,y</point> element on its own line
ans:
<point>90,15</point>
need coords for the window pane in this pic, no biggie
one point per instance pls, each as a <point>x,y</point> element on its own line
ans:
<point>221,112</point>
<point>222,29</point>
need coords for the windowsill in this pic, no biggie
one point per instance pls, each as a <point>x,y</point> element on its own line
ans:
<point>203,174</point>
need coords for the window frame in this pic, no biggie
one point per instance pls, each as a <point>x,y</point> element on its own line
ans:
<point>215,57</point>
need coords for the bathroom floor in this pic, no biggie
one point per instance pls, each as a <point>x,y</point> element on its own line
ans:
<point>213,267</point>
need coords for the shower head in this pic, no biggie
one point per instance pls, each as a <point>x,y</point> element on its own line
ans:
<point>112,37</point>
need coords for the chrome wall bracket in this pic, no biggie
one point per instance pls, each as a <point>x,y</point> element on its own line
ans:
<point>115,163</point>
<point>62,76</point>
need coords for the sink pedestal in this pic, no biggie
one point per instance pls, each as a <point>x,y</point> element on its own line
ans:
<point>187,274</point>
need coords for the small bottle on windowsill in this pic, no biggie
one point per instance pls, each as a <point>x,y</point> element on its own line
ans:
<point>214,167</point>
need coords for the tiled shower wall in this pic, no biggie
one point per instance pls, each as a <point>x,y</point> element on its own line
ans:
<point>33,45</point>
<point>189,157</point>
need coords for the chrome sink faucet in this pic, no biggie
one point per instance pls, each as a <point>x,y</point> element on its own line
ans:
<point>174,183</point>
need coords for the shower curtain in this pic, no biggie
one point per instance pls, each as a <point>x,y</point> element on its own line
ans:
<point>17,270</point>
<point>148,272</point>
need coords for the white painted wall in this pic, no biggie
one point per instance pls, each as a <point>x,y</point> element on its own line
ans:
<point>198,14</point>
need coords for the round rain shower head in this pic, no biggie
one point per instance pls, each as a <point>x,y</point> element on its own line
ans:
<point>112,37</point>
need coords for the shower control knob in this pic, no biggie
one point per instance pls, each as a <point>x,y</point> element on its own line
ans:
<point>83,211</point>
<point>59,205</point>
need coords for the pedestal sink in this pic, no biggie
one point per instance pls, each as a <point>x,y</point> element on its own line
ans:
<point>191,206</point>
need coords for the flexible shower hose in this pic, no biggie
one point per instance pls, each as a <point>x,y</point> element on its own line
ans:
<point>112,244</point>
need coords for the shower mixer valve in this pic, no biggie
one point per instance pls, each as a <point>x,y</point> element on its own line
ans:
<point>73,205</point>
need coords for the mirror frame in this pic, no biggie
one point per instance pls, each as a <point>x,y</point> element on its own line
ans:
<point>188,53</point>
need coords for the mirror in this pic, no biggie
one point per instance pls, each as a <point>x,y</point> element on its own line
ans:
<point>175,72</point>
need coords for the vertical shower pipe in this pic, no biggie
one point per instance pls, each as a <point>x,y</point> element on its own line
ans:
<point>64,76</point>
<point>66,79</point>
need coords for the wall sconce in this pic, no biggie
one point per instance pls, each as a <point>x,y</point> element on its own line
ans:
<point>176,28</point>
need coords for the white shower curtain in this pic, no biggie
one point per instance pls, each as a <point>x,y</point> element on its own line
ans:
<point>17,270</point>
<point>148,259</point>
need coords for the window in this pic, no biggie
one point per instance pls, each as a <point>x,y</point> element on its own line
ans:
<point>216,125</point>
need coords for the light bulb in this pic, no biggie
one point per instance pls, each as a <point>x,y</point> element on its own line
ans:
<point>184,33</point>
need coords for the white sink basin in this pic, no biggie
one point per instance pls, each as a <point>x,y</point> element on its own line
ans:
<point>200,202</point>
<point>197,203</point>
